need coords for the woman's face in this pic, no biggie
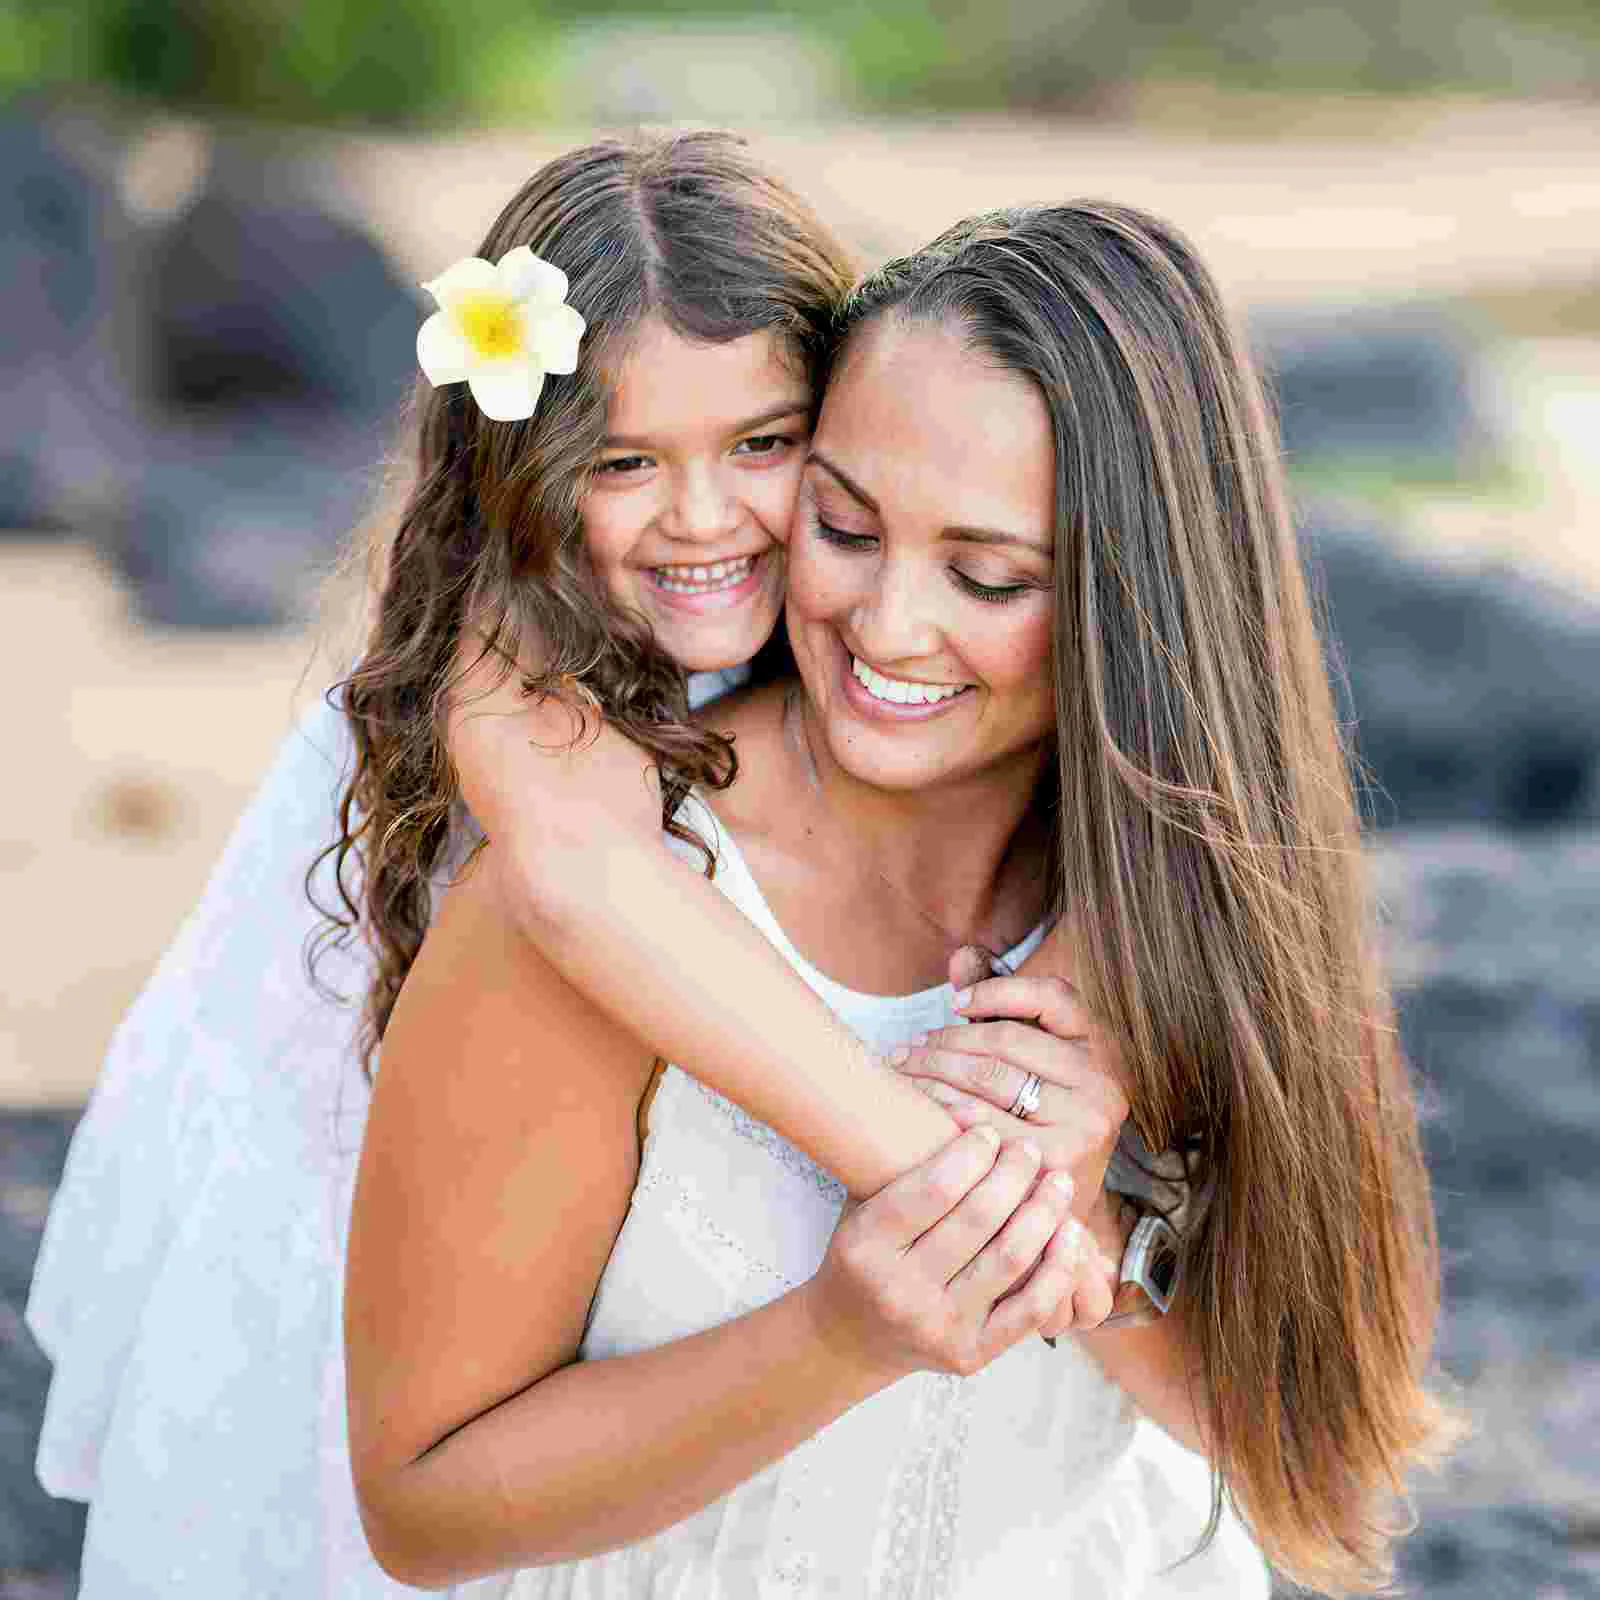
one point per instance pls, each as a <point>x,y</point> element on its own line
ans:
<point>693,489</point>
<point>920,562</point>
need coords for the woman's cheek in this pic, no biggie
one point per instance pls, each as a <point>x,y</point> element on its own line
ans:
<point>818,587</point>
<point>1018,656</point>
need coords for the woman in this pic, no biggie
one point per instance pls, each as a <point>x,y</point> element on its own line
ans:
<point>1054,657</point>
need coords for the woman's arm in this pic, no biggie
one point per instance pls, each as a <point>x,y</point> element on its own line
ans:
<point>496,1170</point>
<point>585,874</point>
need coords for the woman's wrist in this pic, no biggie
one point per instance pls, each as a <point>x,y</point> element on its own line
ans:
<point>861,1365</point>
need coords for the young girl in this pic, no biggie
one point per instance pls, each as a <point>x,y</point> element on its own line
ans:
<point>187,1287</point>
<point>1054,652</point>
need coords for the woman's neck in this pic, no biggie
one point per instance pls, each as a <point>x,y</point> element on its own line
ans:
<point>968,854</point>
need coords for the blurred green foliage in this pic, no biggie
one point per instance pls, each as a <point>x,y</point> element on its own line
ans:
<point>415,61</point>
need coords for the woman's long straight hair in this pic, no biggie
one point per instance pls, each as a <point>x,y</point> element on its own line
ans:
<point>1210,865</point>
<point>686,228</point>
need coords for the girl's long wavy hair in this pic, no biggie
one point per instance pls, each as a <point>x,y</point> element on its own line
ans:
<point>686,228</point>
<point>1210,865</point>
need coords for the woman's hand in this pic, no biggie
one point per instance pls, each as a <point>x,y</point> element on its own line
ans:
<point>951,1263</point>
<point>1034,1023</point>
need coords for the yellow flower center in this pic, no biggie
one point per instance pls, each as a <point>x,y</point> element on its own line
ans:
<point>491,324</point>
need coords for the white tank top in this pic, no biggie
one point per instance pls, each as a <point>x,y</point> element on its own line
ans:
<point>1029,1479</point>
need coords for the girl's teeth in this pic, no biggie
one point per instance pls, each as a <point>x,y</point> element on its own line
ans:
<point>707,579</point>
<point>898,692</point>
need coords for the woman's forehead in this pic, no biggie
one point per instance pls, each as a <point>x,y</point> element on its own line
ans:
<point>922,423</point>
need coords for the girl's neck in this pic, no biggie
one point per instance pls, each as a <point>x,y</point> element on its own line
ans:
<point>968,854</point>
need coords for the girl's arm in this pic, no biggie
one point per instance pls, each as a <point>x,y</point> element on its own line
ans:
<point>488,1200</point>
<point>584,872</point>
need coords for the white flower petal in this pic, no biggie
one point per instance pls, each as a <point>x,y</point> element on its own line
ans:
<point>472,273</point>
<point>441,351</point>
<point>506,394</point>
<point>554,333</point>
<point>525,276</point>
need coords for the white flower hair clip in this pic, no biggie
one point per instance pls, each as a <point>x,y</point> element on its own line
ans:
<point>499,329</point>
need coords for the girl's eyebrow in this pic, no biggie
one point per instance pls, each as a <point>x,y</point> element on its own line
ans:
<point>790,408</point>
<point>971,535</point>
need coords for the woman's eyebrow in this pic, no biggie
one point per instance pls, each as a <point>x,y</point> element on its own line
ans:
<point>1039,546</point>
<point>790,408</point>
<point>845,481</point>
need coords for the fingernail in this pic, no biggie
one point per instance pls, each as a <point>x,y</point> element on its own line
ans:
<point>945,1095</point>
<point>1032,1151</point>
<point>899,1055</point>
<point>1112,1269</point>
<point>963,999</point>
<point>917,1040</point>
<point>1063,1182</point>
<point>987,1134</point>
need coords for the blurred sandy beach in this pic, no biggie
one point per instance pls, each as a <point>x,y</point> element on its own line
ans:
<point>134,748</point>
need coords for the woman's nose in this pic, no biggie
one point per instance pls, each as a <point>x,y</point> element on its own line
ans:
<point>895,621</point>
<point>701,508</point>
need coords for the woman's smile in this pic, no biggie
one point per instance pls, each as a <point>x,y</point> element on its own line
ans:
<point>881,695</point>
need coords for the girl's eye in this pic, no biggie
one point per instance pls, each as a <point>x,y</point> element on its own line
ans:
<point>623,464</point>
<point>993,593</point>
<point>762,444</point>
<point>842,540</point>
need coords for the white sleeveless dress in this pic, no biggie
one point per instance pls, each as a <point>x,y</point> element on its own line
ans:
<point>189,1287</point>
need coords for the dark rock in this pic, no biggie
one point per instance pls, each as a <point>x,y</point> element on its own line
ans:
<point>1396,385</point>
<point>1476,696</point>
<point>39,1537</point>
<point>1493,943</point>
<point>258,296</point>
<point>57,383</point>
<point>1491,1552</point>
<point>236,523</point>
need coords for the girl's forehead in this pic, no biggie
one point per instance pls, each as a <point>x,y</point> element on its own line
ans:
<point>665,381</point>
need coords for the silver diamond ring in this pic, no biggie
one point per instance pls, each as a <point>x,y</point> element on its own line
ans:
<point>1027,1101</point>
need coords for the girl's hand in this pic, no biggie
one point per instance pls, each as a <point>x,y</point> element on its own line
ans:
<point>951,1263</point>
<point>975,1069</point>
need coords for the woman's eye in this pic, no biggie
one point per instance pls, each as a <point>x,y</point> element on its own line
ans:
<point>624,464</point>
<point>994,593</point>
<point>842,540</point>
<point>762,444</point>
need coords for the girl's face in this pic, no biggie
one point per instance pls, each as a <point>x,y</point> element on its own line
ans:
<point>693,490</point>
<point>921,562</point>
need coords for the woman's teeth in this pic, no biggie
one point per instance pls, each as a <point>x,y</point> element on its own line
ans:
<point>897,691</point>
<point>704,580</point>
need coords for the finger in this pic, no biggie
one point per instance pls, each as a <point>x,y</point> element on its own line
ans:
<point>999,1080</point>
<point>954,1241</point>
<point>1023,1044</point>
<point>1042,1303</point>
<point>1053,1003</point>
<point>1092,1295</point>
<point>1007,1260</point>
<point>971,964</point>
<point>904,1210</point>
<point>1067,1256</point>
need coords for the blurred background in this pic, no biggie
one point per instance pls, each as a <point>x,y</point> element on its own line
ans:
<point>214,215</point>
